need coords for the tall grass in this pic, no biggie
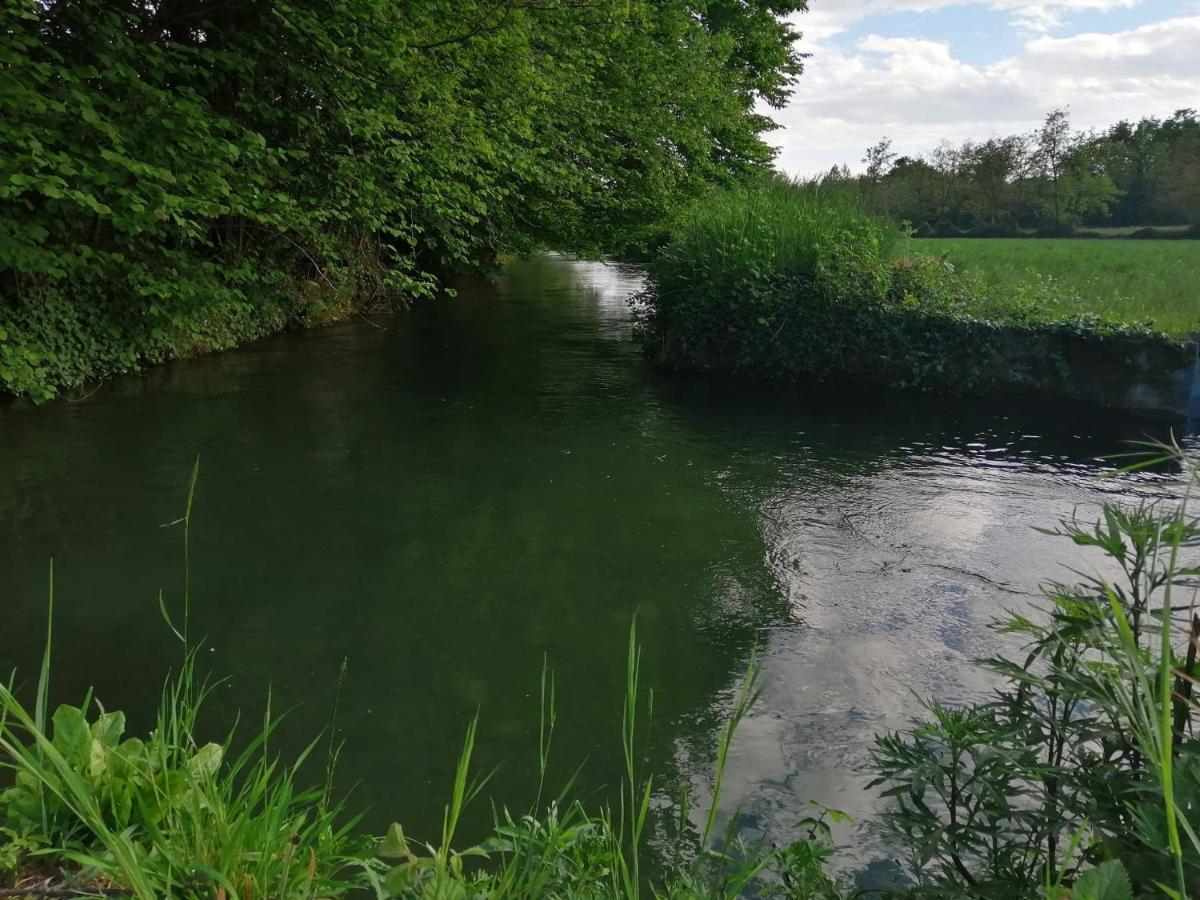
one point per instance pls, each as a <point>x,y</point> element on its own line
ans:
<point>780,226</point>
<point>566,849</point>
<point>167,815</point>
<point>1122,281</point>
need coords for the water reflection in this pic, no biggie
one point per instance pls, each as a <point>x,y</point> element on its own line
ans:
<point>896,536</point>
<point>490,478</point>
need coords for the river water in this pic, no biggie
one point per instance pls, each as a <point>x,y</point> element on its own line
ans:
<point>443,498</point>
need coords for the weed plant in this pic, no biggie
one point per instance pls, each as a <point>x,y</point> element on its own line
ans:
<point>1085,755</point>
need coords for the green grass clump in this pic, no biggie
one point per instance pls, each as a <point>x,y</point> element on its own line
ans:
<point>768,276</point>
<point>779,227</point>
<point>1134,282</point>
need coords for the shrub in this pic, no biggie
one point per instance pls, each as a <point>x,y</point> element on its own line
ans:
<point>750,271</point>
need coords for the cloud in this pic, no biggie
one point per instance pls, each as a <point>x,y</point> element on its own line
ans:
<point>827,18</point>
<point>917,92</point>
<point>1043,16</point>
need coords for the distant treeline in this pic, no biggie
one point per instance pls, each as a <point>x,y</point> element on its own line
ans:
<point>1054,180</point>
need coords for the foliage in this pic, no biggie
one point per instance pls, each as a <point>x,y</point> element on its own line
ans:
<point>567,850</point>
<point>168,814</point>
<point>750,270</point>
<point>179,176</point>
<point>1086,754</point>
<point>793,280</point>
<point>1053,181</point>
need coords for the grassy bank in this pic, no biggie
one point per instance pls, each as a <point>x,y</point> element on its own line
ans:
<point>1153,282</point>
<point>1077,778</point>
<point>794,280</point>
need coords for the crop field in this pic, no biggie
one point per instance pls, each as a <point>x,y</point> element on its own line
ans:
<point>1136,281</point>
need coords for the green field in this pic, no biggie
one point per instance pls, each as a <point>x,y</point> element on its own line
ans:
<point>1128,281</point>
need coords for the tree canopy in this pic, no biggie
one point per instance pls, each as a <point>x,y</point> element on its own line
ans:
<point>162,156</point>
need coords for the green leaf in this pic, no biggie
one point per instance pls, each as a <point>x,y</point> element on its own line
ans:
<point>207,761</point>
<point>1108,881</point>
<point>72,737</point>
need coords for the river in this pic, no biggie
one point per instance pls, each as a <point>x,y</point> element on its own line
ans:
<point>441,498</point>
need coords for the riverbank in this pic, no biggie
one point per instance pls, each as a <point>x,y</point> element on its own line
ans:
<point>794,281</point>
<point>55,344</point>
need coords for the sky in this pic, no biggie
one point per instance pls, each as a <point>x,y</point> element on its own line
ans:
<point>923,71</point>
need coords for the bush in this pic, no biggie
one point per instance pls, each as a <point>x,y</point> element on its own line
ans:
<point>767,277</point>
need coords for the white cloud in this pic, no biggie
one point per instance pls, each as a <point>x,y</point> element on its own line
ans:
<point>917,92</point>
<point>1043,16</point>
<point>829,17</point>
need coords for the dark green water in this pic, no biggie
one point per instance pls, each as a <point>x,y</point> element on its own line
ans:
<point>444,496</point>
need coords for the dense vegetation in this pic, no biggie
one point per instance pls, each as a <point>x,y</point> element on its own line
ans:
<point>180,175</point>
<point>1077,778</point>
<point>796,280</point>
<point>1052,181</point>
<point>1128,281</point>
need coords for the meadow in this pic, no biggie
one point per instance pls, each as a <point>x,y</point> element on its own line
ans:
<point>1130,281</point>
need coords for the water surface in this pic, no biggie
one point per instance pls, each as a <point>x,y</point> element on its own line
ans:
<point>444,497</point>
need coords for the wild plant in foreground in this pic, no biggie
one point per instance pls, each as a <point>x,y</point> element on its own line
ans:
<point>566,850</point>
<point>167,815</point>
<point>1086,753</point>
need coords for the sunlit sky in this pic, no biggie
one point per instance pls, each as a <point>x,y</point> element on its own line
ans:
<point>920,71</point>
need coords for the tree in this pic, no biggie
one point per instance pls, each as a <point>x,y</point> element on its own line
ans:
<point>1052,145</point>
<point>879,159</point>
<point>992,166</point>
<point>1181,179</point>
<point>162,157</point>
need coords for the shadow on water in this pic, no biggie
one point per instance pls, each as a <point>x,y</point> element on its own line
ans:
<point>446,495</point>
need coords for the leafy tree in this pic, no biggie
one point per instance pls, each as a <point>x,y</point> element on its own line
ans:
<point>179,175</point>
<point>1053,147</point>
<point>1180,183</point>
<point>879,159</point>
<point>992,166</point>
